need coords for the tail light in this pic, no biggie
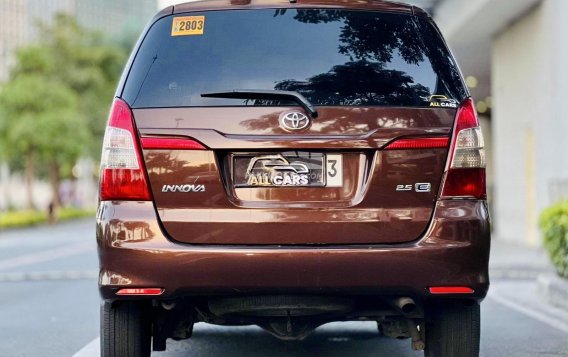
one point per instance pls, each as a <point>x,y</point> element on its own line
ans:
<point>465,171</point>
<point>122,174</point>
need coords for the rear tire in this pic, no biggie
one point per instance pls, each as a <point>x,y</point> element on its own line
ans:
<point>452,329</point>
<point>125,329</point>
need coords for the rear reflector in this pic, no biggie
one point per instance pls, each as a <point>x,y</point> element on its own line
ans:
<point>141,291</point>
<point>439,290</point>
<point>171,144</point>
<point>419,143</point>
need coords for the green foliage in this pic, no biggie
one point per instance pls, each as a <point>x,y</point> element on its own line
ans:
<point>66,214</point>
<point>21,219</point>
<point>554,226</point>
<point>42,115</point>
<point>18,219</point>
<point>59,94</point>
<point>53,109</point>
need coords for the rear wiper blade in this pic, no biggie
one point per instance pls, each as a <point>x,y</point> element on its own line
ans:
<point>267,95</point>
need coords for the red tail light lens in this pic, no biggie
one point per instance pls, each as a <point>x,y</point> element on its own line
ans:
<point>465,183</point>
<point>171,144</point>
<point>419,143</point>
<point>122,175</point>
<point>465,171</point>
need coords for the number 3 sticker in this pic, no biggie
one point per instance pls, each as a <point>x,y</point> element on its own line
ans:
<point>334,165</point>
<point>188,25</point>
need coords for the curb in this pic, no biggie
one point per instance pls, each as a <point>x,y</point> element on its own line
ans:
<point>554,289</point>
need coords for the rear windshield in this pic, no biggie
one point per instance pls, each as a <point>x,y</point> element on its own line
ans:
<point>333,57</point>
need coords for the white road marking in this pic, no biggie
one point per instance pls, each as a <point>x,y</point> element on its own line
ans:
<point>46,255</point>
<point>48,275</point>
<point>550,321</point>
<point>92,349</point>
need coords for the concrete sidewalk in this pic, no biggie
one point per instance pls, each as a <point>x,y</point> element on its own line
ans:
<point>513,262</point>
<point>510,261</point>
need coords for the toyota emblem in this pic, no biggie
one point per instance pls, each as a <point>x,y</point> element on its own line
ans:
<point>293,121</point>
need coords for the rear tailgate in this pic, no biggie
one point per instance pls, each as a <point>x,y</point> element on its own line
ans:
<point>373,76</point>
<point>370,205</point>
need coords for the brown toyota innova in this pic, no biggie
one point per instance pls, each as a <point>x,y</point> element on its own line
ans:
<point>287,164</point>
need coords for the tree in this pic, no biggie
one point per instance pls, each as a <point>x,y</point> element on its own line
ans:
<point>380,36</point>
<point>83,60</point>
<point>359,83</point>
<point>53,108</point>
<point>40,120</point>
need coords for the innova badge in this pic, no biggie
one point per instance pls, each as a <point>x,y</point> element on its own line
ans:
<point>183,188</point>
<point>294,121</point>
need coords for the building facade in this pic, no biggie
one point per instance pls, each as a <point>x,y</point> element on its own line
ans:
<point>13,20</point>
<point>19,18</point>
<point>516,51</point>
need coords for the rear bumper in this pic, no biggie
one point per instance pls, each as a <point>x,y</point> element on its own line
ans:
<point>134,252</point>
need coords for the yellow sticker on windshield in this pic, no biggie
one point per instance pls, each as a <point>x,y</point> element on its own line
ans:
<point>188,25</point>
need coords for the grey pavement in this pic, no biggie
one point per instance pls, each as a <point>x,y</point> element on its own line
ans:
<point>56,313</point>
<point>513,261</point>
<point>49,307</point>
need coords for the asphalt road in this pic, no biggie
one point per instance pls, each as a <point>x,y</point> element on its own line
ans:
<point>49,307</point>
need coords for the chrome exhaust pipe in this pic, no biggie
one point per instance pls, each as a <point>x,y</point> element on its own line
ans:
<point>405,305</point>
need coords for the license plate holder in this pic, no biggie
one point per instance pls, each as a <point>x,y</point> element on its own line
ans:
<point>287,169</point>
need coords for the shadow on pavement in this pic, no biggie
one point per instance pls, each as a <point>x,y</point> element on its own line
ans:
<point>336,339</point>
